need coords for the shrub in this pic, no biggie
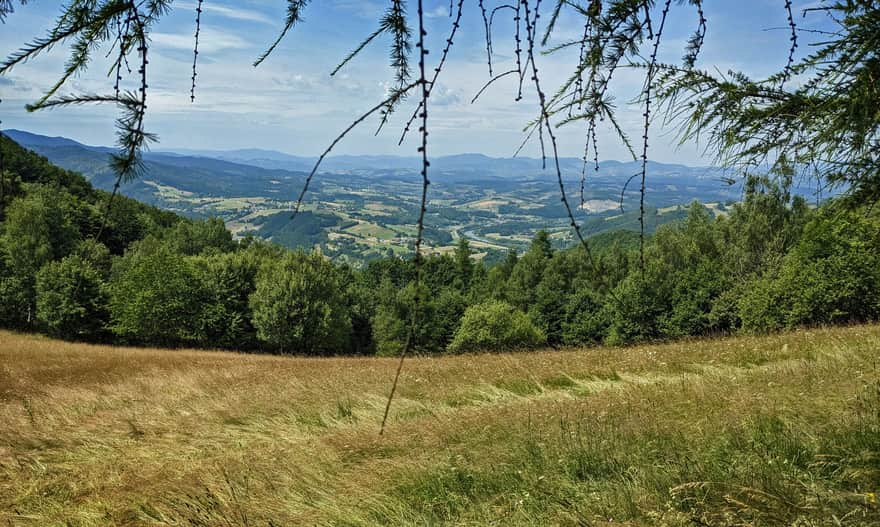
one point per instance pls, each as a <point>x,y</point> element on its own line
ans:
<point>495,326</point>
<point>831,276</point>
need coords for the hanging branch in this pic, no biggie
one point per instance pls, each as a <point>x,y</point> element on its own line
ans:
<point>488,36</point>
<point>122,44</point>
<point>695,44</point>
<point>491,82</point>
<point>395,22</point>
<point>423,149</point>
<point>591,136</point>
<point>578,94</point>
<point>518,52</point>
<point>449,41</point>
<point>649,81</point>
<point>192,92</point>
<point>545,120</point>
<point>294,15</point>
<point>131,126</point>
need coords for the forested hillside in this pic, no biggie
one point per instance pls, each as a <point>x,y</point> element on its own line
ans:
<point>143,276</point>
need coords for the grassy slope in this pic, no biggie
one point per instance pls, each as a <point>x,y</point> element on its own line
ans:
<point>747,431</point>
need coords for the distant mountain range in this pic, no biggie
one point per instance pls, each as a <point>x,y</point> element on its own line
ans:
<point>460,163</point>
<point>460,166</point>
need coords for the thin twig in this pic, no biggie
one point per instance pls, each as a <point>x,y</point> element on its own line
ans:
<point>423,149</point>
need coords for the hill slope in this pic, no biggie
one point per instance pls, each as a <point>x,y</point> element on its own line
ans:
<point>747,431</point>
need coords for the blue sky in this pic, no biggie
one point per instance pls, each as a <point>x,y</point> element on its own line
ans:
<point>292,104</point>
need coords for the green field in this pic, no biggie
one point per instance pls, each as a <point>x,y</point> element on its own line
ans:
<point>778,430</point>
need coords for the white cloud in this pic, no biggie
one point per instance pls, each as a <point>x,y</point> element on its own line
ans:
<point>211,40</point>
<point>211,9</point>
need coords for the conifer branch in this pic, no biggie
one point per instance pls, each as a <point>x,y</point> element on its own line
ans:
<point>294,15</point>
<point>449,41</point>
<point>649,85</point>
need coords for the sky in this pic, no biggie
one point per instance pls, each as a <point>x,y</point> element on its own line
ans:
<point>292,104</point>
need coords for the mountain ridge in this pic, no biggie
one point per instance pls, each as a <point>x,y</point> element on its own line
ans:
<point>260,157</point>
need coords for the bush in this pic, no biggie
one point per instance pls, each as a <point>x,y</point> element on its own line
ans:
<point>586,318</point>
<point>495,326</point>
<point>636,314</point>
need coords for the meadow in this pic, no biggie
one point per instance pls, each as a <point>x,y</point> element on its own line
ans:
<point>775,430</point>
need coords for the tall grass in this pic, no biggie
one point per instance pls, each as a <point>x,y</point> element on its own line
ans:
<point>778,430</point>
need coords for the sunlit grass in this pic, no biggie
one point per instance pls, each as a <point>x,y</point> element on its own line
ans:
<point>778,430</point>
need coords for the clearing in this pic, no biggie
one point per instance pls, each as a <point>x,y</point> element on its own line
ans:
<point>776,430</point>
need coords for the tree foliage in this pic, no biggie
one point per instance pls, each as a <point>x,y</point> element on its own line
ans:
<point>71,300</point>
<point>156,297</point>
<point>772,262</point>
<point>496,326</point>
<point>298,305</point>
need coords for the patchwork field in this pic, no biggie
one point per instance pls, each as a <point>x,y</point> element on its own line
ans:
<point>778,430</point>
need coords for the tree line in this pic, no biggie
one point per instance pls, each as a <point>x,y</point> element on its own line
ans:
<point>155,278</point>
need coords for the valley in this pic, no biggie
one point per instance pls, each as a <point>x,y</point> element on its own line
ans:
<point>365,207</point>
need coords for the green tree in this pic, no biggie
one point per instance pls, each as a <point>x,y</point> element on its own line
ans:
<point>391,319</point>
<point>586,318</point>
<point>448,308</point>
<point>547,309</point>
<point>831,276</point>
<point>71,301</point>
<point>37,230</point>
<point>15,294</point>
<point>464,266</point>
<point>437,317</point>
<point>10,188</point>
<point>225,319</point>
<point>522,283</point>
<point>156,297</point>
<point>361,307</point>
<point>299,306</point>
<point>541,244</point>
<point>196,237</point>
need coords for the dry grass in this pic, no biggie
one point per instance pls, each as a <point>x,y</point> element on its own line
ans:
<point>748,431</point>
